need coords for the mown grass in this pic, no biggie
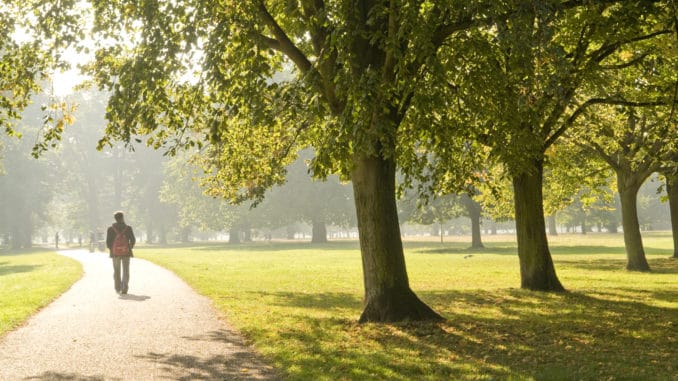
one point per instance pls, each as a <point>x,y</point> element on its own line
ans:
<point>298,304</point>
<point>29,280</point>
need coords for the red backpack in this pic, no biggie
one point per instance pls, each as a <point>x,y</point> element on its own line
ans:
<point>120,243</point>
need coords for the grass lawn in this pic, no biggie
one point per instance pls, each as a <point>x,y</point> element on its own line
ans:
<point>29,280</point>
<point>299,303</point>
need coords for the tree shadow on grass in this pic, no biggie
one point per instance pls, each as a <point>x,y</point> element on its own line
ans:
<point>465,250</point>
<point>6,269</point>
<point>509,248</point>
<point>657,265</point>
<point>279,246</point>
<point>238,363</point>
<point>500,334</point>
<point>326,301</point>
<point>58,376</point>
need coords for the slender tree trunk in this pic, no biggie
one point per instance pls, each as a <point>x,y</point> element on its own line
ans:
<point>388,296</point>
<point>474,210</point>
<point>319,232</point>
<point>185,234</point>
<point>28,234</point>
<point>536,265</point>
<point>118,181</point>
<point>552,225</point>
<point>234,235</point>
<point>162,239</point>
<point>93,203</point>
<point>584,227</point>
<point>628,186</point>
<point>15,238</point>
<point>149,224</point>
<point>672,191</point>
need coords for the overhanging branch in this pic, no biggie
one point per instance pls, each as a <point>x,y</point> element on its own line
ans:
<point>607,50</point>
<point>282,42</point>
<point>598,101</point>
<point>632,62</point>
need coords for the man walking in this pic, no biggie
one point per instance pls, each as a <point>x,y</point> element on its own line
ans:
<point>120,241</point>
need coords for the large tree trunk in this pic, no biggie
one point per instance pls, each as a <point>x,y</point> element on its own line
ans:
<point>536,265</point>
<point>474,210</point>
<point>628,186</point>
<point>388,297</point>
<point>319,232</point>
<point>672,191</point>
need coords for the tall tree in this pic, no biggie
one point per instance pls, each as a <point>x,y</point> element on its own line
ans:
<point>540,62</point>
<point>356,68</point>
<point>633,149</point>
<point>191,208</point>
<point>25,189</point>
<point>672,193</point>
<point>302,198</point>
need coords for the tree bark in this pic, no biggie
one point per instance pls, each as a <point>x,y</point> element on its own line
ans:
<point>474,211</point>
<point>672,191</point>
<point>319,231</point>
<point>536,265</point>
<point>388,297</point>
<point>628,186</point>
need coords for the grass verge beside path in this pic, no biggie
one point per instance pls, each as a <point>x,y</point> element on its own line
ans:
<point>299,303</point>
<point>29,280</point>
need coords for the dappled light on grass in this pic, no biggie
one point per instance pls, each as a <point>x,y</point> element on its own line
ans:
<point>299,305</point>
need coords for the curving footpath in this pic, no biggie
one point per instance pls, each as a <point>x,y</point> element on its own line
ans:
<point>161,330</point>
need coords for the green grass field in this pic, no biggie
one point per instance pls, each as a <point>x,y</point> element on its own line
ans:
<point>299,303</point>
<point>30,280</point>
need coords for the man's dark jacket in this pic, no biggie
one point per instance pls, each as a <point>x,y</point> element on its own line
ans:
<point>124,229</point>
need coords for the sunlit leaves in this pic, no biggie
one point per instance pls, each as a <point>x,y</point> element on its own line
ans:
<point>57,114</point>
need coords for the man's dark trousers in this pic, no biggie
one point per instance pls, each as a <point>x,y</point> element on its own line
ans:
<point>121,284</point>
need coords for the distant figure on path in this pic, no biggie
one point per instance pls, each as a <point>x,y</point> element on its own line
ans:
<point>92,243</point>
<point>56,240</point>
<point>120,241</point>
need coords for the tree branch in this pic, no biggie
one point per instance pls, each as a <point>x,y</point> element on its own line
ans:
<point>594,147</point>
<point>311,10</point>
<point>282,42</point>
<point>607,50</point>
<point>625,64</point>
<point>579,3</point>
<point>597,101</point>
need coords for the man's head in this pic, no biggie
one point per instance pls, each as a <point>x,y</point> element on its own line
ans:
<point>119,217</point>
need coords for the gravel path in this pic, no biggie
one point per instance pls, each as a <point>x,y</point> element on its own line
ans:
<point>161,330</point>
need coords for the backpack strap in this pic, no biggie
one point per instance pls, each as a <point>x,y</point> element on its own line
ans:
<point>118,232</point>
